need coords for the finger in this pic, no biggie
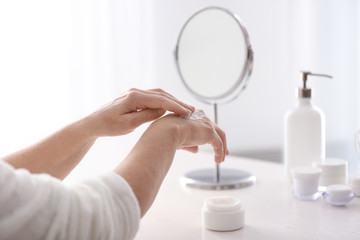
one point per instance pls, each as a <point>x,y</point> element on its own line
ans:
<point>217,145</point>
<point>156,101</point>
<point>146,115</point>
<point>222,135</point>
<point>162,93</point>
<point>193,149</point>
<point>159,90</point>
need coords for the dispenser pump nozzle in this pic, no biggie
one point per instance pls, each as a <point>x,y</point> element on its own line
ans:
<point>306,92</point>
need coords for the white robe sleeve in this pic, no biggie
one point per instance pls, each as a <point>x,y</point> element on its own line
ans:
<point>38,206</point>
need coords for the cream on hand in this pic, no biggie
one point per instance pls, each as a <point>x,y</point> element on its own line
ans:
<point>197,115</point>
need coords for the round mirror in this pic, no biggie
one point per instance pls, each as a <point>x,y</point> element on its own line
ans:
<point>214,59</point>
<point>214,56</point>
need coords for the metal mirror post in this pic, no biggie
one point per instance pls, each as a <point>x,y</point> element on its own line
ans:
<point>214,59</point>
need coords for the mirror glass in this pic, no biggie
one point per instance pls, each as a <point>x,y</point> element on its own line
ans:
<point>213,54</point>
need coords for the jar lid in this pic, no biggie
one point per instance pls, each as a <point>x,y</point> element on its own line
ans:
<point>355,181</point>
<point>305,172</point>
<point>332,167</point>
<point>338,190</point>
<point>222,204</point>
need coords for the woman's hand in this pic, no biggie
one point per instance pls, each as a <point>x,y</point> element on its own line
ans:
<point>59,153</point>
<point>190,134</point>
<point>134,108</point>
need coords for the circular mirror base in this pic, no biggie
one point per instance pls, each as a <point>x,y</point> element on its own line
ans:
<point>229,179</point>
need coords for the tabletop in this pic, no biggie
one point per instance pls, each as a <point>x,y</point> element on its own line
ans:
<point>270,210</point>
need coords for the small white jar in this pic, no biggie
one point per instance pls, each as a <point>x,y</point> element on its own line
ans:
<point>338,195</point>
<point>223,214</point>
<point>305,182</point>
<point>355,185</point>
<point>333,171</point>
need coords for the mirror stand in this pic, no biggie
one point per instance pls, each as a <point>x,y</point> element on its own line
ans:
<point>211,179</point>
<point>213,44</point>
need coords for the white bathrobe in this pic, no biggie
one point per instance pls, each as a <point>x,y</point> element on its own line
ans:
<point>38,206</point>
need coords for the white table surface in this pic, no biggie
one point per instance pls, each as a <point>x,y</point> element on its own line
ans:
<point>270,210</point>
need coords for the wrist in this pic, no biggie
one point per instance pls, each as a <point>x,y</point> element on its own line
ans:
<point>86,128</point>
<point>168,131</point>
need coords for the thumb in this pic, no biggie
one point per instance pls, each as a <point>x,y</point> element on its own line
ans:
<point>145,115</point>
<point>193,149</point>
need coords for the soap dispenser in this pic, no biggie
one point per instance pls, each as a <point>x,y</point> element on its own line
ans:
<point>304,141</point>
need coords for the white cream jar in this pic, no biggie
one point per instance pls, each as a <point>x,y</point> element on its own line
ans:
<point>338,195</point>
<point>223,214</point>
<point>305,182</point>
<point>333,171</point>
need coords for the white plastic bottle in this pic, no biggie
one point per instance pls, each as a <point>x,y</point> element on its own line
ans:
<point>304,141</point>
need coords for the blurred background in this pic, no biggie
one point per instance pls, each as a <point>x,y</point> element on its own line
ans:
<point>61,60</point>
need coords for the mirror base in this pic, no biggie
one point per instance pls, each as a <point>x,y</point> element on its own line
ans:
<point>229,179</point>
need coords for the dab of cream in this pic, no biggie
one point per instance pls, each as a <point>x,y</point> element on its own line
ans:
<point>197,115</point>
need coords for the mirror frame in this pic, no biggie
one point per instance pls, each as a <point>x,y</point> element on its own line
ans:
<point>245,74</point>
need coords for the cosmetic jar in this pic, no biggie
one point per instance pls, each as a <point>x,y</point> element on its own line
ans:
<point>338,195</point>
<point>223,214</point>
<point>355,185</point>
<point>305,182</point>
<point>333,171</point>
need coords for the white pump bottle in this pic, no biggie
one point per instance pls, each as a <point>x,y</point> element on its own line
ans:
<point>304,141</point>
